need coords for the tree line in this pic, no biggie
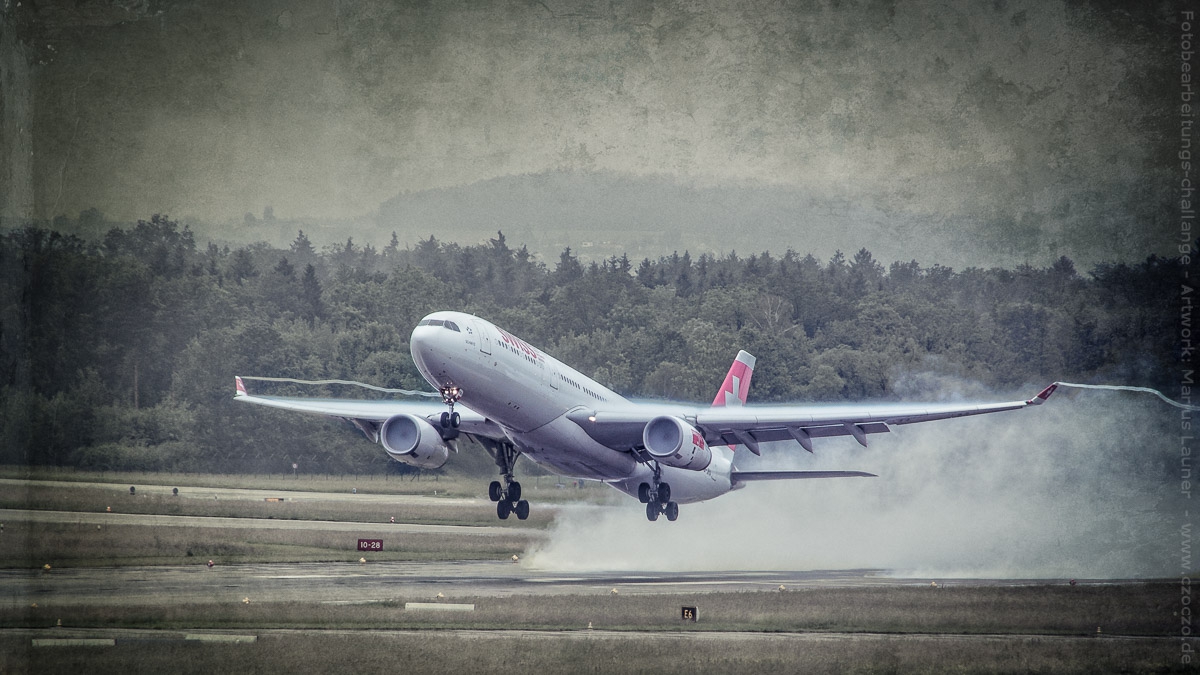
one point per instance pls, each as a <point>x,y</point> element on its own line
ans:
<point>120,352</point>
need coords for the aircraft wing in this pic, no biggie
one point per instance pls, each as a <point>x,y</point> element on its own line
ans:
<point>751,425</point>
<point>367,414</point>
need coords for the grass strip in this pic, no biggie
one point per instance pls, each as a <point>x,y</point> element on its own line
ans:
<point>63,545</point>
<point>98,500</point>
<point>450,484</point>
<point>600,652</point>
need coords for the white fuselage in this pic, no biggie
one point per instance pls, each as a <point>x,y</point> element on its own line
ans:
<point>528,394</point>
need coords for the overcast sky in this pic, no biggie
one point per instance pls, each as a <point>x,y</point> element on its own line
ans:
<point>1043,120</point>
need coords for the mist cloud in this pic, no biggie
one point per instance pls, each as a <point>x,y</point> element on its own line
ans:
<point>1082,487</point>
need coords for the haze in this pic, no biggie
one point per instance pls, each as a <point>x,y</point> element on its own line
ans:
<point>955,133</point>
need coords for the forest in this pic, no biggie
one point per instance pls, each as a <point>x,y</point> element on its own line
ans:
<point>120,352</point>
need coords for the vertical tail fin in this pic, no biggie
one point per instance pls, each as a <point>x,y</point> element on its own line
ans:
<point>737,381</point>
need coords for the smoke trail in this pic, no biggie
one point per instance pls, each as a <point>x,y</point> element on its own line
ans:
<point>405,392</point>
<point>1115,387</point>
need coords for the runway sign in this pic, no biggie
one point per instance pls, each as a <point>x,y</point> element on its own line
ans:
<point>689,614</point>
<point>370,544</point>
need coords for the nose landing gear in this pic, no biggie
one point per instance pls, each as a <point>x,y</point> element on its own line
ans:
<point>450,396</point>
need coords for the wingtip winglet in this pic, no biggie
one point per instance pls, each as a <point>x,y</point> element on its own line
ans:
<point>1043,395</point>
<point>241,387</point>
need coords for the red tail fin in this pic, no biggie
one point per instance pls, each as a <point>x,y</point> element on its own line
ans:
<point>737,381</point>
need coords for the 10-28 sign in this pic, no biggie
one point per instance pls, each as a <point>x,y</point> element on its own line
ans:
<point>370,544</point>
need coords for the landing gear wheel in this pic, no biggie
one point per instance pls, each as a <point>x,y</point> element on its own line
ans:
<point>664,493</point>
<point>445,420</point>
<point>455,420</point>
<point>672,511</point>
<point>644,493</point>
<point>506,492</point>
<point>652,511</point>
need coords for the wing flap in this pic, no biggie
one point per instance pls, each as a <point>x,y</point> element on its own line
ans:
<point>747,476</point>
<point>621,428</point>
<point>818,416</point>
<point>726,436</point>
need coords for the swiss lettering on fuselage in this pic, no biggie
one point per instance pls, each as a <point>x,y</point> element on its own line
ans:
<point>520,344</point>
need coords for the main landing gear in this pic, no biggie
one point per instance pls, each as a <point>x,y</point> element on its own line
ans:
<point>657,498</point>
<point>507,495</point>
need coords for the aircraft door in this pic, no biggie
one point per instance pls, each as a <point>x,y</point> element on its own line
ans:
<point>484,336</point>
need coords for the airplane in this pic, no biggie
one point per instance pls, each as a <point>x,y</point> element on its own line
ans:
<point>514,399</point>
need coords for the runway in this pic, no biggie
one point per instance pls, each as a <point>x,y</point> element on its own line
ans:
<point>358,583</point>
<point>514,604</point>
<point>121,636</point>
<point>374,580</point>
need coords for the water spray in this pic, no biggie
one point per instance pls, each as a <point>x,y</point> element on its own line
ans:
<point>404,392</point>
<point>431,394</point>
<point>1114,387</point>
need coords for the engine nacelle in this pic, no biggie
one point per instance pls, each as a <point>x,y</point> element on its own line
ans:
<point>676,443</point>
<point>412,440</point>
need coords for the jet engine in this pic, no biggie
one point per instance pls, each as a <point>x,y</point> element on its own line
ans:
<point>676,443</point>
<point>412,440</point>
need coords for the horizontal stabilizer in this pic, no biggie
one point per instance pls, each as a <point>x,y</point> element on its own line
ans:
<point>746,476</point>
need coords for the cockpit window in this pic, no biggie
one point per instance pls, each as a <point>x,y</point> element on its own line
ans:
<point>445,323</point>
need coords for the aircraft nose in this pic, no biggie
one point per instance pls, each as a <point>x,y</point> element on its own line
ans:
<point>422,341</point>
<point>435,342</point>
